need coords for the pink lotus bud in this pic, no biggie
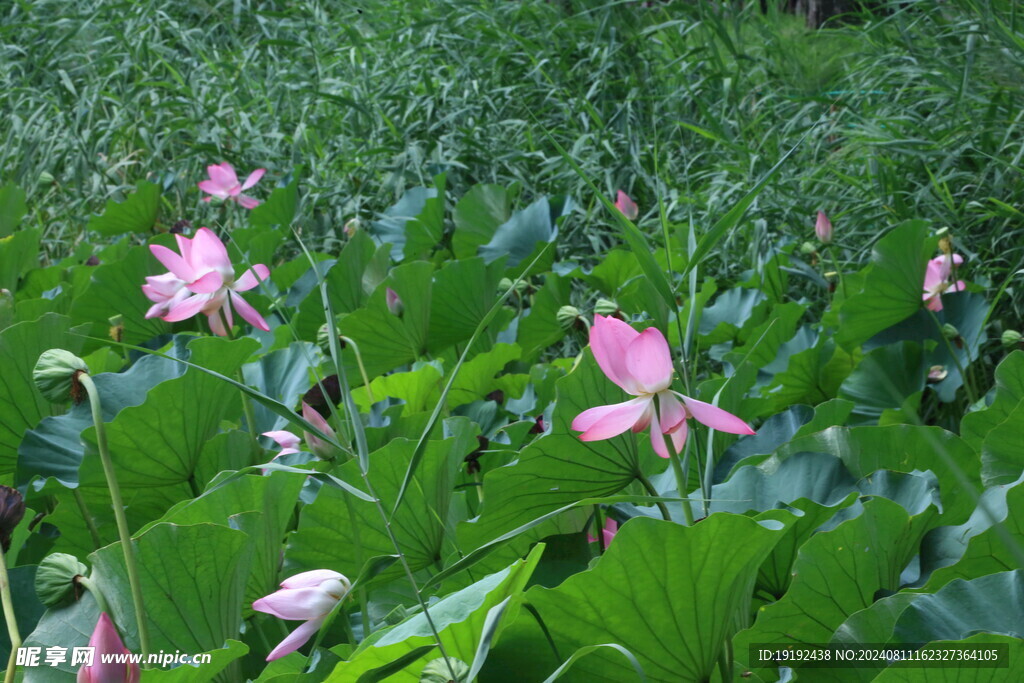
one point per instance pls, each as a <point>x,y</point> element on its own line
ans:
<point>626,205</point>
<point>106,641</point>
<point>321,449</point>
<point>823,228</point>
<point>394,302</point>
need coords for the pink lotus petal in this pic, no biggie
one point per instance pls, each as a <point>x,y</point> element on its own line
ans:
<point>611,527</point>
<point>187,308</point>
<point>106,641</point>
<point>649,362</point>
<point>679,436</point>
<point>295,639</point>
<point>604,422</point>
<point>253,178</point>
<point>251,278</point>
<point>658,438</point>
<point>223,175</point>
<point>626,206</point>
<point>208,252</point>
<point>217,323</point>
<point>314,577</point>
<point>296,603</point>
<point>207,284</point>
<point>247,202</point>
<point>715,417</point>
<point>672,412</point>
<point>212,188</point>
<point>609,339</point>
<point>248,313</point>
<point>289,444</point>
<point>173,262</point>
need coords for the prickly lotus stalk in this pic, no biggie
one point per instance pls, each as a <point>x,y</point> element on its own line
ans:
<point>56,375</point>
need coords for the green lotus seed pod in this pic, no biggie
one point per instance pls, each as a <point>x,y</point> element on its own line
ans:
<point>55,578</point>
<point>55,375</point>
<point>807,248</point>
<point>323,339</point>
<point>46,178</point>
<point>567,316</point>
<point>606,307</point>
<point>437,671</point>
<point>504,284</point>
<point>950,332</point>
<point>1011,338</point>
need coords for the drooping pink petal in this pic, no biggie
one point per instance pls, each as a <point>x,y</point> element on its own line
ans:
<point>162,287</point>
<point>626,206</point>
<point>207,284</point>
<point>609,339</point>
<point>253,178</point>
<point>217,323</point>
<point>649,362</point>
<point>314,577</point>
<point>678,436</point>
<point>187,308</point>
<point>958,286</point>
<point>604,422</point>
<point>247,202</point>
<point>658,438</point>
<point>715,417</point>
<point>934,302</point>
<point>295,639</point>
<point>296,603</point>
<point>173,262</point>
<point>248,313</point>
<point>251,278</point>
<point>671,412</point>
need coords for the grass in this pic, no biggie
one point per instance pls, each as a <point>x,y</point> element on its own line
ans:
<point>916,112</point>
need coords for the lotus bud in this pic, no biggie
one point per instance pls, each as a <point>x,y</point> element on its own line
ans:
<point>55,579</point>
<point>950,332</point>
<point>626,206</point>
<point>567,316</point>
<point>351,227</point>
<point>106,641</point>
<point>807,249</point>
<point>823,228</point>
<point>56,375</point>
<point>606,307</point>
<point>440,671</point>
<point>1011,338</point>
<point>394,302</point>
<point>12,509</point>
<point>937,373</point>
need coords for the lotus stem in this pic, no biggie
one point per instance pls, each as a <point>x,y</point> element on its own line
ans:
<point>362,370</point>
<point>12,624</point>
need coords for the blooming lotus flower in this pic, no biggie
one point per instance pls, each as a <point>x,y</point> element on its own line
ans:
<point>106,642</point>
<point>320,448</point>
<point>309,596</point>
<point>611,527</point>
<point>823,228</point>
<point>938,278</point>
<point>626,205</point>
<point>286,440</point>
<point>223,184</point>
<point>202,280</point>
<point>640,363</point>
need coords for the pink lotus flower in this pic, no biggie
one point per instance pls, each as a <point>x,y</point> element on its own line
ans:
<point>202,280</point>
<point>611,527</point>
<point>626,205</point>
<point>286,440</point>
<point>320,448</point>
<point>640,363</point>
<point>309,596</point>
<point>938,278</point>
<point>106,642</point>
<point>223,184</point>
<point>823,228</point>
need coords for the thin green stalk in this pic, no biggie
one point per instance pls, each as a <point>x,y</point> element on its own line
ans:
<point>364,611</point>
<point>250,416</point>
<point>653,492</point>
<point>87,516</point>
<point>968,387</point>
<point>681,487</point>
<point>88,584</point>
<point>835,264</point>
<point>362,369</point>
<point>599,530</point>
<point>12,625</point>
<point>122,521</point>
